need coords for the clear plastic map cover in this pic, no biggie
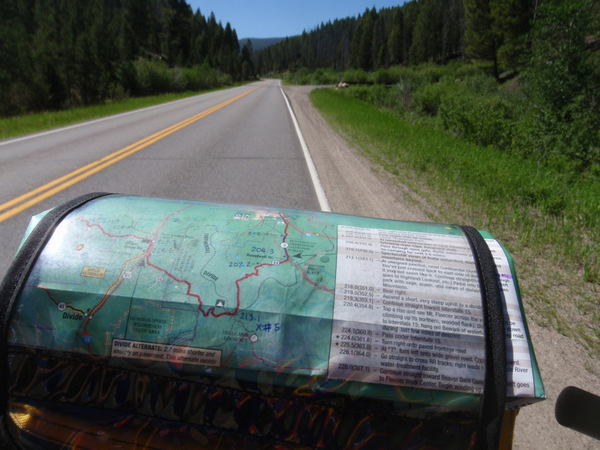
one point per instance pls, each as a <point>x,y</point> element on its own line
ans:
<point>161,321</point>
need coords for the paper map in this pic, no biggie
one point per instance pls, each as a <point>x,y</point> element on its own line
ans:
<point>189,284</point>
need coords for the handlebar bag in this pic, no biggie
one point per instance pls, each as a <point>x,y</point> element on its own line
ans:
<point>142,322</point>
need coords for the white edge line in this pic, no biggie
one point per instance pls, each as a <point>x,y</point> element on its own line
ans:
<point>85,123</point>
<point>321,196</point>
<point>92,121</point>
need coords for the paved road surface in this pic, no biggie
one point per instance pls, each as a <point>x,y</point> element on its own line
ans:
<point>241,147</point>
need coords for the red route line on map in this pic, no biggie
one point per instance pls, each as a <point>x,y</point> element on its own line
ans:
<point>115,285</point>
<point>310,280</point>
<point>187,283</point>
<point>210,311</point>
<point>254,274</point>
<point>46,289</point>
<point>148,254</point>
<point>106,233</point>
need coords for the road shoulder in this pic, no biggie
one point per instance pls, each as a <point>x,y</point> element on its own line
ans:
<point>353,183</point>
<point>356,185</point>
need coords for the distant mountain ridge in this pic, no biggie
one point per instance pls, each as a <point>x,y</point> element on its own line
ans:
<point>260,43</point>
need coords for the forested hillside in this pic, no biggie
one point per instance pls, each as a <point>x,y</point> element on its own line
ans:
<point>495,101</point>
<point>435,31</point>
<point>549,110</point>
<point>399,35</point>
<point>61,53</point>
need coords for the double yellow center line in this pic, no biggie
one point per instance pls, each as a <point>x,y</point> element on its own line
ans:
<point>49,189</point>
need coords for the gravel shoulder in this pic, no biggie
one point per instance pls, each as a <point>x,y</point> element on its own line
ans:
<point>357,185</point>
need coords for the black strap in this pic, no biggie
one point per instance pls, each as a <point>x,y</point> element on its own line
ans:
<point>494,388</point>
<point>17,275</point>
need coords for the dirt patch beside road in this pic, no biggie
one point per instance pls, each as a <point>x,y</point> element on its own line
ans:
<point>356,185</point>
<point>353,184</point>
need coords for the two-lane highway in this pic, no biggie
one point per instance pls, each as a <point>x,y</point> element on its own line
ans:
<point>238,146</point>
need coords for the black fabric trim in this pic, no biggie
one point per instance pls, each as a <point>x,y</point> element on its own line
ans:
<point>17,275</point>
<point>494,388</point>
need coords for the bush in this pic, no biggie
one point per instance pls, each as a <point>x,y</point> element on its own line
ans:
<point>430,73</point>
<point>127,76</point>
<point>179,79</point>
<point>462,71</point>
<point>384,76</point>
<point>359,92</point>
<point>320,76</point>
<point>428,97</point>
<point>325,76</point>
<point>153,77</point>
<point>354,76</point>
<point>301,76</point>
<point>204,76</point>
<point>480,83</point>
<point>561,79</point>
<point>470,104</point>
<point>484,120</point>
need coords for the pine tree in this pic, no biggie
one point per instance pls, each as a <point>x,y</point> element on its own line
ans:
<point>410,14</point>
<point>248,70</point>
<point>396,38</point>
<point>453,30</point>
<point>481,35</point>
<point>379,52</point>
<point>15,95</point>
<point>512,21</point>
<point>427,35</point>
<point>365,46</point>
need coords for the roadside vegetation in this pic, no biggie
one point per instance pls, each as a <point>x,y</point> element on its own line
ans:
<point>40,121</point>
<point>548,218</point>
<point>63,54</point>
<point>519,158</point>
<point>489,109</point>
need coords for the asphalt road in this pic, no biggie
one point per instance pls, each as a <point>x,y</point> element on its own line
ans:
<point>235,146</point>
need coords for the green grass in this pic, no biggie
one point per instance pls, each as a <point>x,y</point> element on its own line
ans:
<point>30,123</point>
<point>549,220</point>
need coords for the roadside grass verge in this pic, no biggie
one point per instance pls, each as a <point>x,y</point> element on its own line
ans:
<point>31,123</point>
<point>549,220</point>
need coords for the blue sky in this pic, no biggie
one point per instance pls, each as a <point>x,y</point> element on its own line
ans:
<point>280,18</point>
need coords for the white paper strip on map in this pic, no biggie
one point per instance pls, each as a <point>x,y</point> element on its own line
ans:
<point>178,354</point>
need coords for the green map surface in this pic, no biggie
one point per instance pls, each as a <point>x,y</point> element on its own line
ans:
<point>256,285</point>
<point>175,286</point>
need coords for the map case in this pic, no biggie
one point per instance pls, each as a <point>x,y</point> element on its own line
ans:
<point>258,322</point>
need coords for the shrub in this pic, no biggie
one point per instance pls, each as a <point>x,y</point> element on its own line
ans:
<point>179,79</point>
<point>325,76</point>
<point>480,83</point>
<point>430,73</point>
<point>428,97</point>
<point>359,92</point>
<point>127,76</point>
<point>461,71</point>
<point>301,76</point>
<point>153,76</point>
<point>484,120</point>
<point>354,76</point>
<point>385,76</point>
